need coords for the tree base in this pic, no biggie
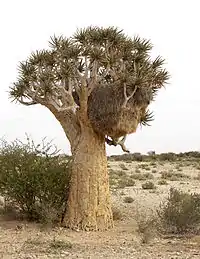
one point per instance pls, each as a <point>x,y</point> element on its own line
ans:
<point>99,223</point>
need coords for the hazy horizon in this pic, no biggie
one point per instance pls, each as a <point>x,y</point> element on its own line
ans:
<point>172,27</point>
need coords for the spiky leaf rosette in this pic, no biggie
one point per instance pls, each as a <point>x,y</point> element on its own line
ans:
<point>93,57</point>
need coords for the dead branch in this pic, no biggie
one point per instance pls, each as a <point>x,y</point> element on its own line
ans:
<point>115,142</point>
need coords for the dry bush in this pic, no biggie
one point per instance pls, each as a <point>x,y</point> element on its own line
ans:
<point>60,245</point>
<point>147,224</point>
<point>141,176</point>
<point>167,156</point>
<point>137,171</point>
<point>162,182</point>
<point>173,176</point>
<point>148,185</point>
<point>179,168</point>
<point>153,164</point>
<point>181,212</point>
<point>117,214</point>
<point>123,167</point>
<point>125,182</point>
<point>128,199</point>
<point>197,177</point>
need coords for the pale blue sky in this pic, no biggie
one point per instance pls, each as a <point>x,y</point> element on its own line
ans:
<point>172,26</point>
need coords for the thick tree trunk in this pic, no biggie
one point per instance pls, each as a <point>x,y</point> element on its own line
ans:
<point>89,205</point>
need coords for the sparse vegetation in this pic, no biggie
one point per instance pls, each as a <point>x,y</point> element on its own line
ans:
<point>173,176</point>
<point>137,171</point>
<point>60,245</point>
<point>179,169</point>
<point>141,176</point>
<point>197,177</point>
<point>120,173</point>
<point>174,216</point>
<point>148,185</point>
<point>181,212</point>
<point>153,164</point>
<point>128,199</point>
<point>125,182</point>
<point>162,182</point>
<point>123,167</point>
<point>117,214</point>
<point>147,226</point>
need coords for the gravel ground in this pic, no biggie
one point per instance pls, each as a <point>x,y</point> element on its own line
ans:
<point>22,240</point>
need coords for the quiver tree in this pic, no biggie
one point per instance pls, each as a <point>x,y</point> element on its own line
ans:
<point>98,84</point>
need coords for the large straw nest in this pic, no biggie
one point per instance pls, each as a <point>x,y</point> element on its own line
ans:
<point>107,114</point>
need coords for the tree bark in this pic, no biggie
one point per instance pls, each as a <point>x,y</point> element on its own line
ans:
<point>89,204</point>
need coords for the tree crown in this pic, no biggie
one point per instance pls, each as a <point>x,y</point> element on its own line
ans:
<point>91,56</point>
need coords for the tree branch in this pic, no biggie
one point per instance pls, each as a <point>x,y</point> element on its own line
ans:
<point>93,77</point>
<point>115,142</point>
<point>26,103</point>
<point>127,98</point>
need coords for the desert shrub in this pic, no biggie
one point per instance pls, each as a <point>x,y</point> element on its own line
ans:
<point>128,199</point>
<point>120,173</point>
<point>137,171</point>
<point>60,244</point>
<point>123,167</point>
<point>147,225</point>
<point>179,167</point>
<point>148,185</point>
<point>167,156</point>
<point>162,182</point>
<point>127,157</point>
<point>34,179</point>
<point>143,166</point>
<point>112,182</point>
<point>117,214</point>
<point>125,182</point>
<point>197,177</point>
<point>173,176</point>
<point>181,212</point>
<point>153,164</point>
<point>140,176</point>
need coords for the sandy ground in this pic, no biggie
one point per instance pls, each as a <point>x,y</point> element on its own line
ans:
<point>28,240</point>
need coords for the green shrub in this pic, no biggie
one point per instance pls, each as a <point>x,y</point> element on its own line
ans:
<point>34,179</point>
<point>148,185</point>
<point>181,212</point>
